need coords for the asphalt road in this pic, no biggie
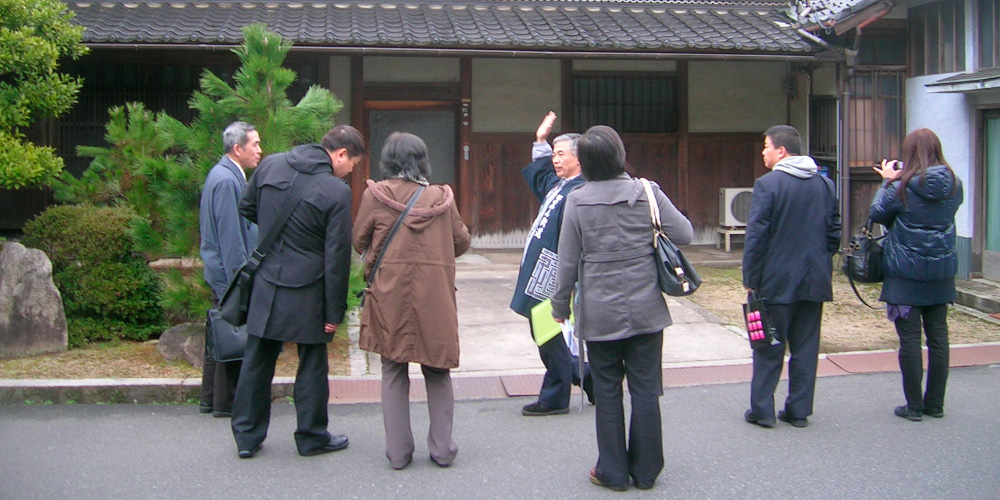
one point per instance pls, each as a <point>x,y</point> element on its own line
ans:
<point>854,449</point>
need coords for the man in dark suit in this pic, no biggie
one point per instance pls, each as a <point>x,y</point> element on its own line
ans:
<point>300,290</point>
<point>553,172</point>
<point>792,233</point>
<point>226,241</point>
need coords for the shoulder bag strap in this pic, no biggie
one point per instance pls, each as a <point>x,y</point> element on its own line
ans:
<point>855,288</point>
<point>654,210</point>
<point>392,232</point>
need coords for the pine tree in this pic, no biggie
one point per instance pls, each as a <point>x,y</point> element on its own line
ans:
<point>157,165</point>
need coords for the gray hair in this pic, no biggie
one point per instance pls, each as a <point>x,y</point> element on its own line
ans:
<point>573,139</point>
<point>235,134</point>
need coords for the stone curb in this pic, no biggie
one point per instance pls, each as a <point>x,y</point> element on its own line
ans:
<point>469,386</point>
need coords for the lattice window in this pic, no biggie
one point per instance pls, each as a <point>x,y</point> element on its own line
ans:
<point>627,103</point>
<point>877,116</point>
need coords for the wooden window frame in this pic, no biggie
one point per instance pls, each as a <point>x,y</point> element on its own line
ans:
<point>937,37</point>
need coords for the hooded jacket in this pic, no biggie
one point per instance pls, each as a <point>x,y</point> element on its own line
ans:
<point>410,313</point>
<point>793,230</point>
<point>919,258</point>
<point>302,283</point>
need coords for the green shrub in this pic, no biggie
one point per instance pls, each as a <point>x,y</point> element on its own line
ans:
<point>108,291</point>
<point>82,234</point>
<point>128,291</point>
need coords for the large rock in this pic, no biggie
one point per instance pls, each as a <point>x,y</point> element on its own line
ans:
<point>32,320</point>
<point>185,341</point>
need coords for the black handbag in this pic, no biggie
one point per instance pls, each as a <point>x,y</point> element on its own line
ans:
<point>235,301</point>
<point>676,276</point>
<point>863,259</point>
<point>224,342</point>
<point>388,239</point>
<point>760,327</point>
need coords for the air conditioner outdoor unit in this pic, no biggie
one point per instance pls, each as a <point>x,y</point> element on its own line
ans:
<point>734,206</point>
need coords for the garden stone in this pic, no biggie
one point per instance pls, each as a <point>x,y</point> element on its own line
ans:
<point>185,341</point>
<point>32,320</point>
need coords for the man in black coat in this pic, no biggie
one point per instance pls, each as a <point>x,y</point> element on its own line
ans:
<point>300,290</point>
<point>792,233</point>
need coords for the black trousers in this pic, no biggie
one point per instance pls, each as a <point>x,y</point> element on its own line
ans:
<point>218,381</point>
<point>798,328</point>
<point>562,371</point>
<point>252,406</point>
<point>911,363</point>
<point>639,359</point>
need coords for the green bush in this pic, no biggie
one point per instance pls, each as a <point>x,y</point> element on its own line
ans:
<point>82,234</point>
<point>129,291</point>
<point>108,291</point>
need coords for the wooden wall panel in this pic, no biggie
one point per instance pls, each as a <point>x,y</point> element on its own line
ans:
<point>654,157</point>
<point>717,161</point>
<point>501,201</point>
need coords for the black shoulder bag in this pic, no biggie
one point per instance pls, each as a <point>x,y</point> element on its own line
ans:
<point>863,259</point>
<point>677,277</point>
<point>388,239</point>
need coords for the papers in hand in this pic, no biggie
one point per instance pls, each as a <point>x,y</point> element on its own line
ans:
<point>543,327</point>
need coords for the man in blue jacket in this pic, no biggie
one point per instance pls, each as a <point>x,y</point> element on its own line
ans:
<point>552,174</point>
<point>227,239</point>
<point>792,233</point>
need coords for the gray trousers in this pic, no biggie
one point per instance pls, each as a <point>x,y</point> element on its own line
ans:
<point>396,414</point>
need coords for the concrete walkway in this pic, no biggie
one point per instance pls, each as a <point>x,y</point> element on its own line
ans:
<point>499,358</point>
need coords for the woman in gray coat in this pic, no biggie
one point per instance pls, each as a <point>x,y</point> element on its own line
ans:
<point>606,245</point>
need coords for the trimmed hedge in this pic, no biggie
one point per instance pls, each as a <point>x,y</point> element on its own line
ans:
<point>108,291</point>
<point>82,234</point>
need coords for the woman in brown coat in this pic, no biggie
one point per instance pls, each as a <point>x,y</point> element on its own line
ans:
<point>410,315</point>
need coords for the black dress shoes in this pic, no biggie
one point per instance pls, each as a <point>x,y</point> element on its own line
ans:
<point>540,410</point>
<point>749,416</point>
<point>222,414</point>
<point>204,408</point>
<point>796,422</point>
<point>935,412</point>
<point>337,442</point>
<point>904,412</point>
<point>250,453</point>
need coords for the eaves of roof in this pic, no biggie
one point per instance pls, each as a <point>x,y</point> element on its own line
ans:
<point>554,26</point>
<point>984,79</point>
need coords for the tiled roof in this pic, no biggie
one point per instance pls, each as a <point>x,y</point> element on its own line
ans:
<point>549,26</point>
<point>827,13</point>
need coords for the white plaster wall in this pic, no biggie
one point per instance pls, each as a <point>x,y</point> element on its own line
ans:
<point>952,117</point>
<point>512,95</point>
<point>824,80</point>
<point>340,85</point>
<point>412,69</point>
<point>733,96</point>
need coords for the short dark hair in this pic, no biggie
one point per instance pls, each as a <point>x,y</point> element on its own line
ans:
<point>344,136</point>
<point>601,153</point>
<point>235,134</point>
<point>405,155</point>
<point>787,136</point>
